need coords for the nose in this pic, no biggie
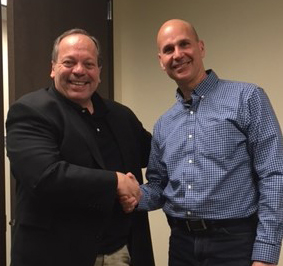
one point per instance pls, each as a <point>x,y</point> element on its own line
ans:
<point>79,69</point>
<point>177,53</point>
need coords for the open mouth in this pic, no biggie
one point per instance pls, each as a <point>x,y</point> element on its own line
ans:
<point>78,83</point>
<point>181,65</point>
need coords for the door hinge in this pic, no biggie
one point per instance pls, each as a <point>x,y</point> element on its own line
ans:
<point>109,10</point>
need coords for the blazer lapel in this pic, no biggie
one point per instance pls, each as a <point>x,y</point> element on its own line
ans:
<point>80,126</point>
<point>118,131</point>
<point>87,135</point>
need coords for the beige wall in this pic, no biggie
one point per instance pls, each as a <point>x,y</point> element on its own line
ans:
<point>244,41</point>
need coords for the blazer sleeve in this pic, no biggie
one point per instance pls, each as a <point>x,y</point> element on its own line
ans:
<point>144,141</point>
<point>39,166</point>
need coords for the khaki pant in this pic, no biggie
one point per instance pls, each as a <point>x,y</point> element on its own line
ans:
<point>118,258</point>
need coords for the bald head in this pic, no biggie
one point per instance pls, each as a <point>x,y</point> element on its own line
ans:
<point>172,24</point>
<point>180,54</point>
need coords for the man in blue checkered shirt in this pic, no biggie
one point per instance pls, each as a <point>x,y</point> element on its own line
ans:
<point>216,164</point>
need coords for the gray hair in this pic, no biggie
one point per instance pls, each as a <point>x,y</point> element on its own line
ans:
<point>54,55</point>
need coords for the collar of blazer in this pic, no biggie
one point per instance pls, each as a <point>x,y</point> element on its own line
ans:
<point>79,124</point>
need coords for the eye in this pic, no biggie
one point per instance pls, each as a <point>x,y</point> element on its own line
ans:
<point>168,49</point>
<point>184,44</point>
<point>68,63</point>
<point>90,65</point>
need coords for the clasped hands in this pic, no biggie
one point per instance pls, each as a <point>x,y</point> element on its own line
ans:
<point>128,191</point>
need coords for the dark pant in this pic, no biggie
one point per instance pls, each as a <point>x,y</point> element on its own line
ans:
<point>221,244</point>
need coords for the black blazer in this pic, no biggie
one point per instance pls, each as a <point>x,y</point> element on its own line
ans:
<point>64,195</point>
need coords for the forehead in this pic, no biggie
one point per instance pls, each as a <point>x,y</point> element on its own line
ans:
<point>77,43</point>
<point>173,34</point>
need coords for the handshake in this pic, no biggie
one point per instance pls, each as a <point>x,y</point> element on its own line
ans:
<point>128,191</point>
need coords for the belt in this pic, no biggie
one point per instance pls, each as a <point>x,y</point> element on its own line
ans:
<point>198,225</point>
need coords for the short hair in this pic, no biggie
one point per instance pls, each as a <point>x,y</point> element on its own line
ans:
<point>74,31</point>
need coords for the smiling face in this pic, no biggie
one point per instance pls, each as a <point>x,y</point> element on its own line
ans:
<point>181,53</point>
<point>75,71</point>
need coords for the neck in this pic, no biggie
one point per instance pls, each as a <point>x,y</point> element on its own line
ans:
<point>188,87</point>
<point>186,93</point>
<point>90,108</point>
<point>88,105</point>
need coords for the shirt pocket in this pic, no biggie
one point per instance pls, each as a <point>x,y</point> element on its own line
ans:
<point>220,140</point>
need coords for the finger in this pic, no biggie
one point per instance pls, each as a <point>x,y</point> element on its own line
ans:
<point>128,209</point>
<point>129,202</point>
<point>130,175</point>
<point>123,198</point>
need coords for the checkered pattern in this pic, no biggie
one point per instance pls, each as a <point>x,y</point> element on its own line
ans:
<point>220,158</point>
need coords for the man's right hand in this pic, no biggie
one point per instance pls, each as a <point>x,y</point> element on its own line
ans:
<point>128,191</point>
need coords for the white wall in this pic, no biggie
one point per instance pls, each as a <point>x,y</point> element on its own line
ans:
<point>244,41</point>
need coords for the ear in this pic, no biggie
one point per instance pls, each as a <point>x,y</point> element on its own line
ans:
<point>201,48</point>
<point>52,74</point>
<point>160,62</point>
<point>99,72</point>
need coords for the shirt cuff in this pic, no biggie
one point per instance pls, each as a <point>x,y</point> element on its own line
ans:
<point>142,205</point>
<point>266,252</point>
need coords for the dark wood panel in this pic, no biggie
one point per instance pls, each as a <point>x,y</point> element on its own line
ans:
<point>32,27</point>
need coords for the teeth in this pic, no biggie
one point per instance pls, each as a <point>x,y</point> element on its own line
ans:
<point>181,64</point>
<point>79,83</point>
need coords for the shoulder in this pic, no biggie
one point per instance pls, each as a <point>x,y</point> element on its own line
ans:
<point>38,98</point>
<point>118,109</point>
<point>113,105</point>
<point>236,91</point>
<point>237,85</point>
<point>41,105</point>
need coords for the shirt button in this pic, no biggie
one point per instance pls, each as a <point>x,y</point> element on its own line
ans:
<point>98,130</point>
<point>191,112</point>
<point>189,186</point>
<point>83,111</point>
<point>190,136</point>
<point>190,161</point>
<point>189,213</point>
<point>202,96</point>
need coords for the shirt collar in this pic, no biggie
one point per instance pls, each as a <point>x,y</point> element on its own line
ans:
<point>100,109</point>
<point>203,88</point>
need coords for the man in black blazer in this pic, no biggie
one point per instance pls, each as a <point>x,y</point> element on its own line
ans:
<point>70,152</point>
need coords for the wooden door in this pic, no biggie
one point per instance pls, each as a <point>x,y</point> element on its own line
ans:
<point>33,26</point>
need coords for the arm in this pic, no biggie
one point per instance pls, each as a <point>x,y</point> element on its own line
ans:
<point>265,147</point>
<point>156,174</point>
<point>143,142</point>
<point>37,146</point>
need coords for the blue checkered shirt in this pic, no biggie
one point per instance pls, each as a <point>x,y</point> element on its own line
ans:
<point>220,157</point>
